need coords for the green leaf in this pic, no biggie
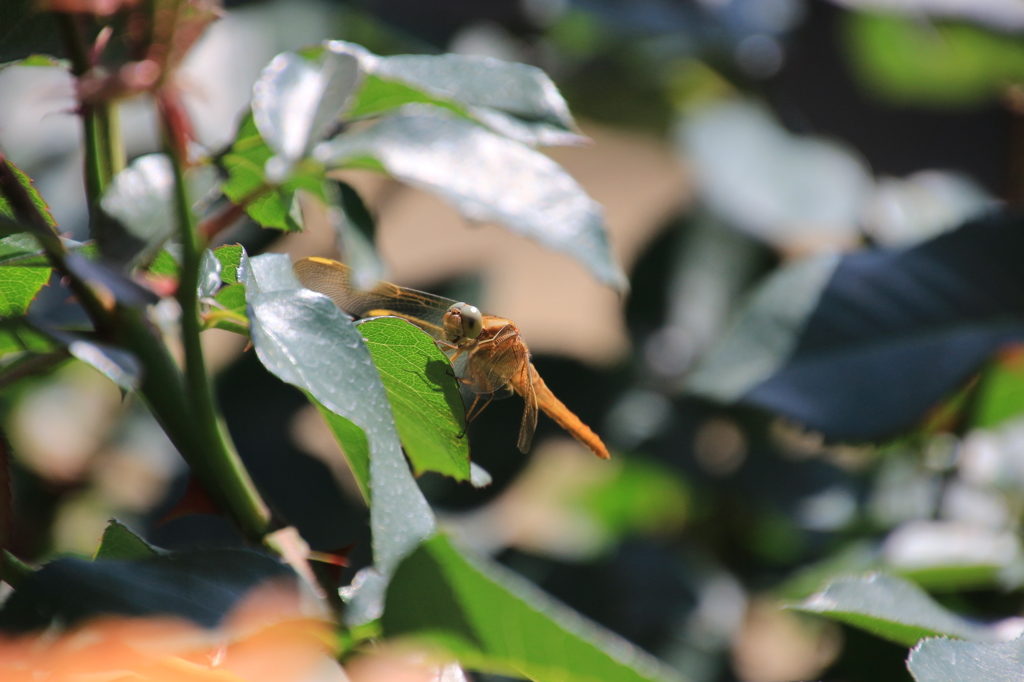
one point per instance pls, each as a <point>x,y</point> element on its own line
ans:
<point>423,394</point>
<point>910,62</point>
<point>307,341</point>
<point>1001,393</point>
<point>495,621</point>
<point>487,178</point>
<point>164,265</point>
<point>119,543</point>
<point>891,608</point>
<point>229,256</point>
<point>8,213</point>
<point>16,336</point>
<point>22,250</point>
<point>945,660</point>
<point>232,299</point>
<point>19,284</point>
<point>37,60</point>
<point>353,444</point>
<point>270,206</point>
<point>515,100</point>
<point>642,496</point>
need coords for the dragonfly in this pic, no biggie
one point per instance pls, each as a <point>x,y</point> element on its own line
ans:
<point>487,352</point>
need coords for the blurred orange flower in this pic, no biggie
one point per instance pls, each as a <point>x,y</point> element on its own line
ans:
<point>270,637</point>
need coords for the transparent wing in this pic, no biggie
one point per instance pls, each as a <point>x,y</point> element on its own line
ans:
<point>529,424</point>
<point>334,279</point>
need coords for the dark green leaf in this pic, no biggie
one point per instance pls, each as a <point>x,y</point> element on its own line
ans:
<point>862,346</point>
<point>119,543</point>
<point>354,229</point>
<point>201,585</point>
<point>487,178</point>
<point>493,620</point>
<point>270,206</point>
<point>945,660</point>
<point>355,210</point>
<point>423,394</point>
<point>892,608</point>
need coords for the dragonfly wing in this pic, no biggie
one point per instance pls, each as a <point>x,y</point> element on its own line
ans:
<point>529,425</point>
<point>334,279</point>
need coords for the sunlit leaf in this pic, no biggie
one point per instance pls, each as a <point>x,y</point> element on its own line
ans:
<point>487,178</point>
<point>423,394</point>
<point>516,100</point>
<point>140,200</point>
<point>116,364</point>
<point>495,621</point>
<point>306,341</point>
<point>945,660</point>
<point>19,284</point>
<point>892,608</point>
<point>297,102</point>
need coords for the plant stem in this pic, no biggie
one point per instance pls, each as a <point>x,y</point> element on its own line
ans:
<point>104,153</point>
<point>217,465</point>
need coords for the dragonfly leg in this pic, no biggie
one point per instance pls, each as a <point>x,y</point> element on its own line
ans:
<point>472,413</point>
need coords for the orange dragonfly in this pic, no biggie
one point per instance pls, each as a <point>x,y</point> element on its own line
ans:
<point>489,356</point>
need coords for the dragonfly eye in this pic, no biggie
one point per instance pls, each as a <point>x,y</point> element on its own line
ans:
<point>472,320</point>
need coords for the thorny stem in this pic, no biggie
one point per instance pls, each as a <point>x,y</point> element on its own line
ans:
<point>104,153</point>
<point>218,466</point>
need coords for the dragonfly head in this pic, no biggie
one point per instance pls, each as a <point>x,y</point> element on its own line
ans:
<point>463,321</point>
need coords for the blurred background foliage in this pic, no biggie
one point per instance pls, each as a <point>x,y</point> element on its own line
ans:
<point>732,140</point>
